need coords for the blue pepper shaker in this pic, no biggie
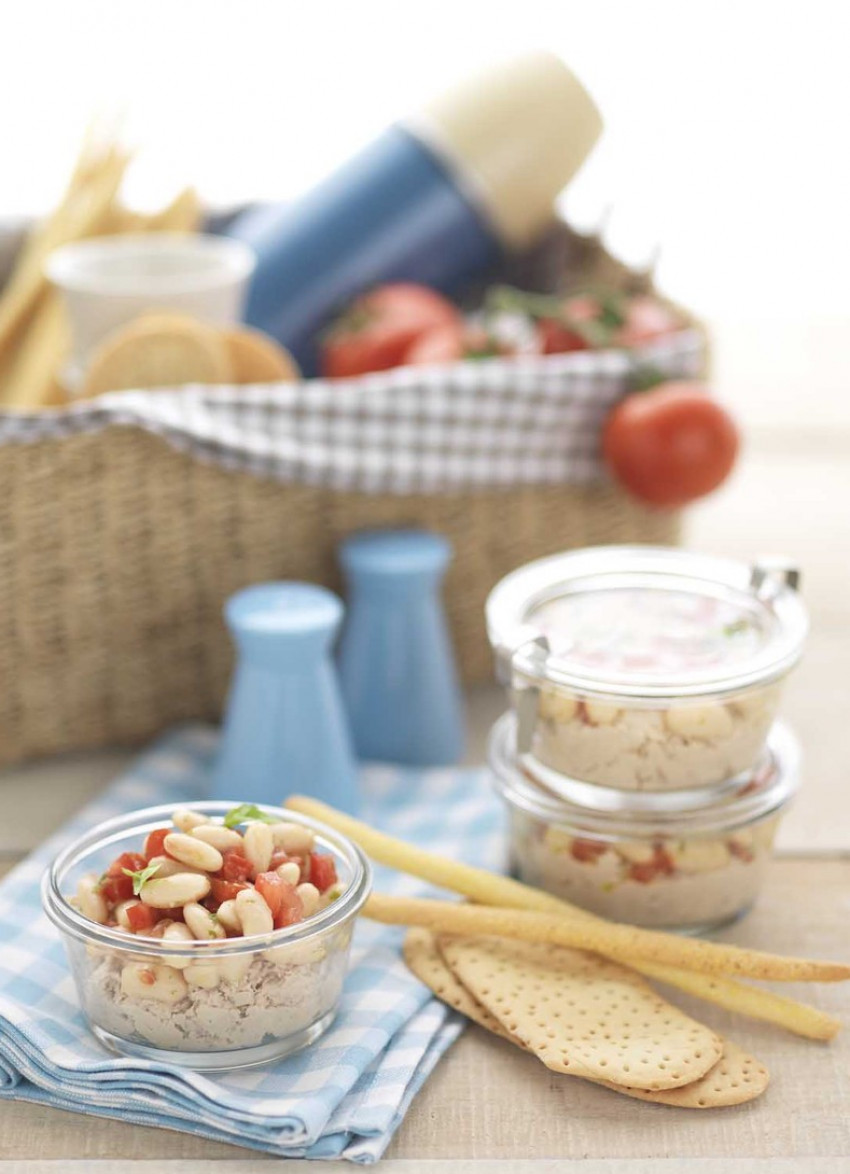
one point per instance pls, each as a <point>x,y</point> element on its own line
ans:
<point>437,199</point>
<point>396,663</point>
<point>285,728</point>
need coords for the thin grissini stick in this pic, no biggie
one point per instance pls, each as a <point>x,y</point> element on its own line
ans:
<point>183,214</point>
<point>31,379</point>
<point>623,942</point>
<point>81,214</point>
<point>754,1002</point>
<point>489,888</point>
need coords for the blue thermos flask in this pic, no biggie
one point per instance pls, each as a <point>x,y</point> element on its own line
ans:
<point>285,728</point>
<point>396,664</point>
<point>436,199</point>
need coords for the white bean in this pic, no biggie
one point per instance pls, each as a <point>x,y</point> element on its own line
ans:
<point>169,867</point>
<point>292,838</point>
<point>309,895</point>
<point>162,983</point>
<point>600,714</point>
<point>158,930</point>
<point>222,838</point>
<point>558,707</point>
<point>169,892</point>
<point>290,872</point>
<point>187,820</point>
<point>176,931</point>
<point>194,852</point>
<point>704,722</point>
<point>254,914</point>
<point>202,974</point>
<point>637,852</point>
<point>235,968</point>
<point>201,924</point>
<point>121,911</point>
<point>92,902</point>
<point>295,953</point>
<point>258,846</point>
<point>228,916</point>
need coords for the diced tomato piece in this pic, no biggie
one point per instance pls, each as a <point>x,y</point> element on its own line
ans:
<point>132,861</point>
<point>225,890</point>
<point>740,851</point>
<point>586,851</point>
<point>236,867</point>
<point>154,843</point>
<point>322,871</point>
<point>270,886</point>
<point>116,888</point>
<point>291,907</point>
<point>280,857</point>
<point>141,918</point>
<point>646,871</point>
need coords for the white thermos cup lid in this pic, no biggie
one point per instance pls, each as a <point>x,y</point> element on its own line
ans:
<point>513,137</point>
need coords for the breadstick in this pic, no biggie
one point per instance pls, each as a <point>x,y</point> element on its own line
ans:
<point>183,214</point>
<point>80,215</point>
<point>622,942</point>
<point>491,888</point>
<point>30,382</point>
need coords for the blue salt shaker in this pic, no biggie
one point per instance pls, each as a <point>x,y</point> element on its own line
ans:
<point>285,728</point>
<point>396,664</point>
<point>436,199</point>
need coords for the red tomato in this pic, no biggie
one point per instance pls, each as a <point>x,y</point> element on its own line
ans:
<point>225,890</point>
<point>270,886</point>
<point>646,320</point>
<point>154,843</point>
<point>555,334</point>
<point>236,867</point>
<point>322,871</point>
<point>670,445</point>
<point>142,918</point>
<point>450,343</point>
<point>116,888</point>
<point>291,908</point>
<point>557,339</point>
<point>586,851</point>
<point>376,331</point>
<point>115,885</point>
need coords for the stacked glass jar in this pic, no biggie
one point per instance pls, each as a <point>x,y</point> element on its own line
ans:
<point>642,764</point>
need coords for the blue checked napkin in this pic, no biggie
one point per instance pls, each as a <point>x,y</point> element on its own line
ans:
<point>345,1096</point>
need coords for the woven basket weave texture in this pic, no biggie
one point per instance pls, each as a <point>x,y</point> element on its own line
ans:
<point>118,552</point>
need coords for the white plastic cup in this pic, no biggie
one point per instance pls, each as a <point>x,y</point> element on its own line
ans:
<point>108,281</point>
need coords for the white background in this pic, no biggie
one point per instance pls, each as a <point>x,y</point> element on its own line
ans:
<point>726,137</point>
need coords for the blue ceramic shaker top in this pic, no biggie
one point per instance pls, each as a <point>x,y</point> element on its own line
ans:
<point>285,728</point>
<point>396,663</point>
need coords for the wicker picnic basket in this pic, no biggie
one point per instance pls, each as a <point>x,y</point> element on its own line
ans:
<point>126,524</point>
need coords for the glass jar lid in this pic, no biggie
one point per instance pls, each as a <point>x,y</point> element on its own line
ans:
<point>762,793</point>
<point>649,622</point>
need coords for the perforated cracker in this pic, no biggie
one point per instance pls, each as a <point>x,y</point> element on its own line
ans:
<point>424,959</point>
<point>736,1077</point>
<point>583,1015</point>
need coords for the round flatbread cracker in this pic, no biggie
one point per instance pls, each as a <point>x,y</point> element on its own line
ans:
<point>158,350</point>
<point>256,358</point>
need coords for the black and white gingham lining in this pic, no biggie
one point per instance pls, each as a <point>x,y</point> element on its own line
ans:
<point>529,421</point>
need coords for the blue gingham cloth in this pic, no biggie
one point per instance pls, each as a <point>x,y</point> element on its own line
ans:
<point>341,1098</point>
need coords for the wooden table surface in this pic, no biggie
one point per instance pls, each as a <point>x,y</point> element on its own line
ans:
<point>490,1107</point>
